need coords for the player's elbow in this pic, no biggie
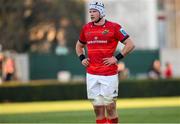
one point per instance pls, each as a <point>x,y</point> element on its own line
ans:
<point>131,44</point>
<point>79,48</point>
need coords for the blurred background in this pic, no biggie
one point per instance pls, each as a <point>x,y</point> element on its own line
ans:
<point>38,60</point>
<point>38,37</point>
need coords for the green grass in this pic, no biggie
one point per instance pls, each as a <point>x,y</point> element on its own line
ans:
<point>140,110</point>
<point>129,115</point>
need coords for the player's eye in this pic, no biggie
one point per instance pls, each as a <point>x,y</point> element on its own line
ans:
<point>92,11</point>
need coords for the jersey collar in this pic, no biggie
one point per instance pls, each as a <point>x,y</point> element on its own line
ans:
<point>99,25</point>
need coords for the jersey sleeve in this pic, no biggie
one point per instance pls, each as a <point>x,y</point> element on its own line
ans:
<point>120,33</point>
<point>82,38</point>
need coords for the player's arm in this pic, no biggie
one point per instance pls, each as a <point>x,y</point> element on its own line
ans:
<point>129,46</point>
<point>81,53</point>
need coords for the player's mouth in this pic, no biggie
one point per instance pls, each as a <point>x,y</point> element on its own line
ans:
<point>92,18</point>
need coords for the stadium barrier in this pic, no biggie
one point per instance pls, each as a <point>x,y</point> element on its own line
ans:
<point>54,90</point>
<point>47,66</point>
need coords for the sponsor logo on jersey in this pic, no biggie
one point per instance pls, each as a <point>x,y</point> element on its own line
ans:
<point>105,32</point>
<point>123,32</point>
<point>97,41</point>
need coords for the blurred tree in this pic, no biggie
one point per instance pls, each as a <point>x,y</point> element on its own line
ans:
<point>11,27</point>
<point>27,25</point>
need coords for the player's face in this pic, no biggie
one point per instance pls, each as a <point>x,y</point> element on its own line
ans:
<point>94,14</point>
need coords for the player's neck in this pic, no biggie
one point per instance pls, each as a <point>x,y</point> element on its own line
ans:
<point>101,22</point>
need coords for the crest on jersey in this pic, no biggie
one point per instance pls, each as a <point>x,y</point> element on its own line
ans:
<point>105,31</point>
<point>123,32</point>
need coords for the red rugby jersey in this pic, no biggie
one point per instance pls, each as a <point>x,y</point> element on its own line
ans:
<point>101,43</point>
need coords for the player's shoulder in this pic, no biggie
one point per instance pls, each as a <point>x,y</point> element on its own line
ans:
<point>113,24</point>
<point>87,25</point>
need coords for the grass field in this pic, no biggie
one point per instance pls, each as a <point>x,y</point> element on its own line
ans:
<point>146,110</point>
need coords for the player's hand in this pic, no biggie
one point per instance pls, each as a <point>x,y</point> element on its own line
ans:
<point>85,62</point>
<point>110,61</point>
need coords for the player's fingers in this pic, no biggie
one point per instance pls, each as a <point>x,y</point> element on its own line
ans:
<point>104,59</point>
<point>106,62</point>
<point>86,63</point>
